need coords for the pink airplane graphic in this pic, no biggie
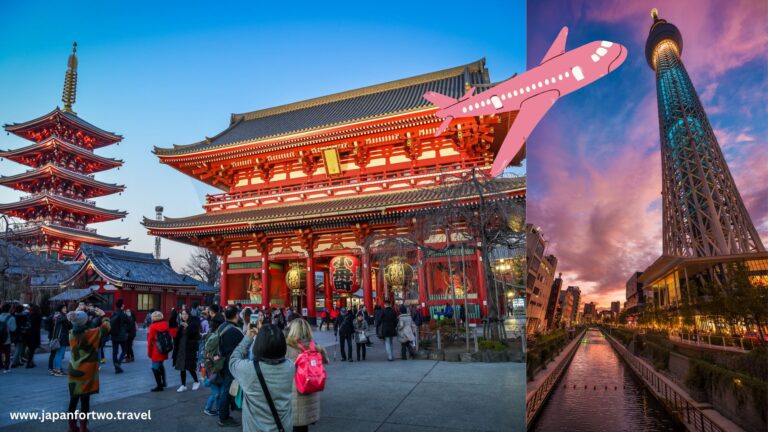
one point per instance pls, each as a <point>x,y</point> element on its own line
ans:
<point>533,92</point>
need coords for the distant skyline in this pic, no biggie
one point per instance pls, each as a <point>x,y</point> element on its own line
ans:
<point>594,161</point>
<point>172,72</point>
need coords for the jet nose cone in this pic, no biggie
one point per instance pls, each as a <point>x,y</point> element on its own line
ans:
<point>621,55</point>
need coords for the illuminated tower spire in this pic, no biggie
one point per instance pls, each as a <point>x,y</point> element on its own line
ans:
<point>704,214</point>
<point>70,81</point>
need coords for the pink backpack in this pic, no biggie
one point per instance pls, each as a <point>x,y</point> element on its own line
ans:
<point>310,373</point>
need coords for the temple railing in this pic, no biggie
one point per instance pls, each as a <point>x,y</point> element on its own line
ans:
<point>358,181</point>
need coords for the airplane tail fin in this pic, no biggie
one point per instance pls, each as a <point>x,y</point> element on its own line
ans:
<point>441,100</point>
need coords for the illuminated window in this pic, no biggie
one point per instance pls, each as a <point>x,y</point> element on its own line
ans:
<point>560,77</point>
<point>515,92</point>
<point>464,109</point>
<point>606,44</point>
<point>145,302</point>
<point>546,81</point>
<point>503,96</point>
<point>527,89</point>
<point>602,51</point>
<point>566,74</point>
<point>477,105</point>
<point>482,103</point>
<point>595,58</point>
<point>540,85</point>
<point>470,107</point>
<point>496,102</point>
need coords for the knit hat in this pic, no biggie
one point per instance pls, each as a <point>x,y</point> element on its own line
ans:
<point>78,318</point>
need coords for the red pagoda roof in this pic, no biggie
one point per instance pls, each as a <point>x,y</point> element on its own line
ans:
<point>44,126</point>
<point>24,207</point>
<point>364,104</point>
<point>26,181</point>
<point>331,210</point>
<point>70,234</point>
<point>29,155</point>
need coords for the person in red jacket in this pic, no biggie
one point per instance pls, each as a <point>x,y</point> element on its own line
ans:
<point>157,357</point>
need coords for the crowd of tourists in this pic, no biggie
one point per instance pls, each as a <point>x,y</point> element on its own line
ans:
<point>263,362</point>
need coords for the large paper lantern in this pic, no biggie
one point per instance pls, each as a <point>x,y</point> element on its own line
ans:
<point>345,274</point>
<point>296,279</point>
<point>398,274</point>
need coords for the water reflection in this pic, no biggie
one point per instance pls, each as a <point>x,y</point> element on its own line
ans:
<point>598,392</point>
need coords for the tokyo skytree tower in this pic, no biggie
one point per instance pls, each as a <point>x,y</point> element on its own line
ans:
<point>704,214</point>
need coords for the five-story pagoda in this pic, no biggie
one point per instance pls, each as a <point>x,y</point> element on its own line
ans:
<point>61,182</point>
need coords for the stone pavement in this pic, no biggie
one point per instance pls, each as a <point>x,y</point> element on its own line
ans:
<point>374,395</point>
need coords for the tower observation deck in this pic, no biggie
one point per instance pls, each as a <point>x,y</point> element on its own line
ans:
<point>703,212</point>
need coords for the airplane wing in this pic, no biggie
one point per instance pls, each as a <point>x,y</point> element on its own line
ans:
<point>529,116</point>
<point>558,46</point>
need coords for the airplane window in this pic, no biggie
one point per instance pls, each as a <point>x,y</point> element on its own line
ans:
<point>606,44</point>
<point>515,92</point>
<point>509,95</point>
<point>601,51</point>
<point>470,107</point>
<point>560,77</point>
<point>527,89</point>
<point>464,109</point>
<point>546,81</point>
<point>595,58</point>
<point>539,84</point>
<point>521,90</point>
<point>496,102</point>
<point>482,103</point>
<point>477,105</point>
<point>577,73</point>
<point>566,74</point>
<point>503,96</point>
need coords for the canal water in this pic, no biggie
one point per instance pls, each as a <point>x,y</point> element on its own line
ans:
<point>606,397</point>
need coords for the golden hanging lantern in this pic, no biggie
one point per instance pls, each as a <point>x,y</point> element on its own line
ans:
<point>398,274</point>
<point>296,279</point>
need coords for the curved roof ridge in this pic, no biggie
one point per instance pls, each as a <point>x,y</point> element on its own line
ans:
<point>476,66</point>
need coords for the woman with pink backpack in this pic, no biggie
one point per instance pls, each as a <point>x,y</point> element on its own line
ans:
<point>306,394</point>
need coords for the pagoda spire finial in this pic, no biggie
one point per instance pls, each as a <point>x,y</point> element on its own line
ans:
<point>655,14</point>
<point>70,81</point>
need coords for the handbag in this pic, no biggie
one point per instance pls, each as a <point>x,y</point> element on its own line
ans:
<point>55,343</point>
<point>362,337</point>
<point>271,403</point>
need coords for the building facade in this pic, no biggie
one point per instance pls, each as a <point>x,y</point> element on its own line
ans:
<point>61,182</point>
<point>320,190</point>
<point>541,274</point>
<point>554,302</point>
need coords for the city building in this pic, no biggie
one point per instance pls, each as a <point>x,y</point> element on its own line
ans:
<point>706,227</point>
<point>325,187</point>
<point>541,273</point>
<point>576,296</point>
<point>61,181</point>
<point>635,294</point>
<point>590,311</point>
<point>569,304</point>
<point>554,302</point>
<point>615,309</point>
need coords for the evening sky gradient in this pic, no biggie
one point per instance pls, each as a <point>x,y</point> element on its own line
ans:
<point>594,163</point>
<point>163,73</point>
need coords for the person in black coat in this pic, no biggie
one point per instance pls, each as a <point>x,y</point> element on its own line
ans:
<point>346,330</point>
<point>32,338</point>
<point>388,328</point>
<point>19,336</point>
<point>60,333</point>
<point>185,346</point>
<point>119,323</point>
<point>230,339</point>
<point>131,336</point>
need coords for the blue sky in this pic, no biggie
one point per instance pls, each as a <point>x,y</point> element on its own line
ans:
<point>163,73</point>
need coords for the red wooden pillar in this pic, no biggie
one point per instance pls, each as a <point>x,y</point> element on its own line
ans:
<point>311,313</point>
<point>223,282</point>
<point>482,293</point>
<point>423,291</point>
<point>380,288</point>
<point>265,294</point>
<point>367,289</point>
<point>328,290</point>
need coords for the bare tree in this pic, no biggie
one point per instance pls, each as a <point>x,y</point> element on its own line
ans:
<point>204,265</point>
<point>476,213</point>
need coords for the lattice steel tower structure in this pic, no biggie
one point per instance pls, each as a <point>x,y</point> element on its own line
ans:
<point>704,214</point>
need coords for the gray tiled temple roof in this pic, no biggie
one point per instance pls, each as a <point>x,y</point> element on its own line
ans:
<point>76,295</point>
<point>134,267</point>
<point>365,103</point>
<point>111,136</point>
